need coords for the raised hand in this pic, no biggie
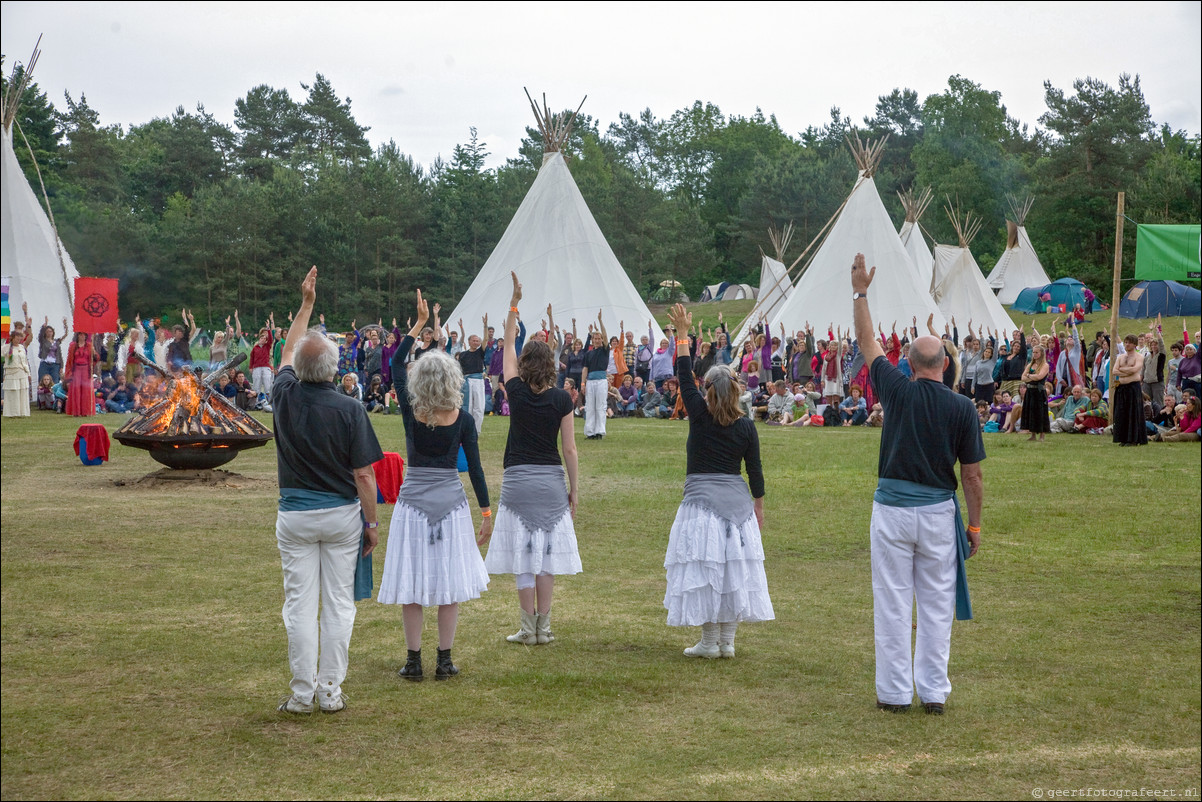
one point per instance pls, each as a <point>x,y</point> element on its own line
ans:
<point>309,287</point>
<point>423,311</point>
<point>680,317</point>
<point>437,309</point>
<point>517,291</point>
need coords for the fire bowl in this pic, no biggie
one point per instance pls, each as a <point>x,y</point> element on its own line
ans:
<point>192,452</point>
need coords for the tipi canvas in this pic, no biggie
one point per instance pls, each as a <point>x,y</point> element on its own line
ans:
<point>775,286</point>
<point>40,271</point>
<point>822,295</point>
<point>1019,266</point>
<point>911,235</point>
<point>960,288</point>
<point>559,254</point>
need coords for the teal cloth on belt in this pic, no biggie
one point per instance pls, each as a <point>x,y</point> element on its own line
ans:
<point>295,499</point>
<point>596,375</point>
<point>900,493</point>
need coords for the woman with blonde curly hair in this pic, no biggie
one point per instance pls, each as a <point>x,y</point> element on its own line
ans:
<point>535,537</point>
<point>432,558</point>
<point>715,559</point>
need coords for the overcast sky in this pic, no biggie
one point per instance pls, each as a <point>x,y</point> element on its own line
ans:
<point>423,74</point>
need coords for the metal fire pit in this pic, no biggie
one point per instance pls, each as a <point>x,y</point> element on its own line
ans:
<point>193,427</point>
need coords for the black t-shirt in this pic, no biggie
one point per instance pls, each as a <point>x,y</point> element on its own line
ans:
<point>471,361</point>
<point>534,424</point>
<point>596,359</point>
<point>927,428</point>
<point>321,436</point>
<point>718,449</point>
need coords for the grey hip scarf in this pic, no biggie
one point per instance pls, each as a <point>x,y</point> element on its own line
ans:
<point>536,494</point>
<point>722,494</point>
<point>434,492</point>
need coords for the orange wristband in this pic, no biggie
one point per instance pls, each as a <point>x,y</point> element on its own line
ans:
<point>513,309</point>
<point>682,343</point>
<point>486,513</point>
<point>976,530</point>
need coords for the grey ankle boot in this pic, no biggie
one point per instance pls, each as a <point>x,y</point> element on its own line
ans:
<point>542,628</point>
<point>527,634</point>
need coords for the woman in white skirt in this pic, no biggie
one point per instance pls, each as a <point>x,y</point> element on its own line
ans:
<point>432,556</point>
<point>715,560</point>
<point>17,378</point>
<point>535,538</point>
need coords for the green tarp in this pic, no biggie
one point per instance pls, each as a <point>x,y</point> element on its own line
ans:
<point>1168,252</point>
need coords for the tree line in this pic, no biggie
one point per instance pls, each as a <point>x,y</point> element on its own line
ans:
<point>187,211</point>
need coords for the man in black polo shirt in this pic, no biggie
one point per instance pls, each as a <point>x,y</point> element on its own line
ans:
<point>325,446</point>
<point>917,534</point>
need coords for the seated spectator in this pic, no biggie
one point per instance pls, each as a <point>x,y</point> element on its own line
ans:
<point>779,403</point>
<point>1095,417</point>
<point>61,388</point>
<point>569,386</point>
<point>670,395</point>
<point>46,393</point>
<point>350,387</point>
<point>376,399</point>
<point>798,414</point>
<point>631,392</point>
<point>854,410</point>
<point>1187,428</point>
<point>1166,416</point>
<point>120,398</point>
<point>246,396</point>
<point>982,413</point>
<point>613,399</point>
<point>652,399</point>
<point>1000,411</point>
<point>876,417</point>
<point>1014,419</point>
<point>1066,409</point>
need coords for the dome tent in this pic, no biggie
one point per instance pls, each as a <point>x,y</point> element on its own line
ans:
<point>1152,298</point>
<point>1067,291</point>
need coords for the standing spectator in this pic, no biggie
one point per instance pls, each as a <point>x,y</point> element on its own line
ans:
<point>917,536</point>
<point>594,379</point>
<point>1127,399</point>
<point>179,350</point>
<point>325,447</point>
<point>471,362</point>
<point>81,358</point>
<point>1035,404</point>
<point>261,371</point>
<point>50,351</point>
<point>1189,370</point>
<point>1154,362</point>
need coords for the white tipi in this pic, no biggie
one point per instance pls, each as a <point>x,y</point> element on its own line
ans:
<point>775,286</point>
<point>559,254</point>
<point>960,289</point>
<point>911,235</point>
<point>1019,266</point>
<point>35,261</point>
<point>822,295</point>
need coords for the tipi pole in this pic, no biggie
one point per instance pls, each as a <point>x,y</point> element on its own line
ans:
<point>1114,298</point>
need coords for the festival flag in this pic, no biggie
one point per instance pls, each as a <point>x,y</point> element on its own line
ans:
<point>1168,252</point>
<point>5,315</point>
<point>95,305</point>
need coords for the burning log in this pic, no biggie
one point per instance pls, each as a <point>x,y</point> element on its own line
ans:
<point>228,365</point>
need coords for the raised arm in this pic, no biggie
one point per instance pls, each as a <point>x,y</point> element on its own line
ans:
<point>510,354</point>
<point>300,323</point>
<point>861,279</point>
<point>604,335</point>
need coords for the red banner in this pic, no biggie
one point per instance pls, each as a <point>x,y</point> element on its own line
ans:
<point>95,305</point>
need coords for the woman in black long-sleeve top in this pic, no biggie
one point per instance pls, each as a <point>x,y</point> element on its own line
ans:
<point>715,559</point>
<point>432,556</point>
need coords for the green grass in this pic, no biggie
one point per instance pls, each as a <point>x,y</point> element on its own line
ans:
<point>143,651</point>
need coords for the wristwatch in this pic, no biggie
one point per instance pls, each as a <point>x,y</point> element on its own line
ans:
<point>373,525</point>
<point>855,296</point>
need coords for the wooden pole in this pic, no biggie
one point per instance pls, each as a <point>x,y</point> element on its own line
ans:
<point>1114,298</point>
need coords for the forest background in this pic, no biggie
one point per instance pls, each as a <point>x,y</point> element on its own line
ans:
<point>187,211</point>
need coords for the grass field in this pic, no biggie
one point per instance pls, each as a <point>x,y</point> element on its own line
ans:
<point>143,651</point>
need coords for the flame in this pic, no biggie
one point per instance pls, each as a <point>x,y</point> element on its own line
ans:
<point>183,402</point>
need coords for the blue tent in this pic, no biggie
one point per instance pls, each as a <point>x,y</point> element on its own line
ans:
<point>1067,291</point>
<point>1152,298</point>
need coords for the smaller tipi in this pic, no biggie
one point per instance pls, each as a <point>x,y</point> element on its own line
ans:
<point>959,286</point>
<point>912,238</point>
<point>775,286</point>
<point>1019,266</point>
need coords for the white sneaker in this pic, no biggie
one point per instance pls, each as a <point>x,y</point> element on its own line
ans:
<point>290,704</point>
<point>702,650</point>
<point>332,703</point>
<point>726,650</point>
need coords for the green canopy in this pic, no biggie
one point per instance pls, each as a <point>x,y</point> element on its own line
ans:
<point>1168,252</point>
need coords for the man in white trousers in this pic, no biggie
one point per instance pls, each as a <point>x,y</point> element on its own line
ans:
<point>471,361</point>
<point>917,535</point>
<point>325,447</point>
<point>595,380</point>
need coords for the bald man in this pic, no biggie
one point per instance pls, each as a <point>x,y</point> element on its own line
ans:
<point>917,535</point>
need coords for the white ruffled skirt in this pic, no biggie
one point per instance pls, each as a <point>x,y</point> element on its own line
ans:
<point>517,549</point>
<point>431,565</point>
<point>715,570</point>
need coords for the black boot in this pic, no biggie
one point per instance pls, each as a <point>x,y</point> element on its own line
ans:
<point>412,670</point>
<point>445,668</point>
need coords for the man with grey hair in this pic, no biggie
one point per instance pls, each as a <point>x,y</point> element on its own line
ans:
<point>1068,408</point>
<point>917,535</point>
<point>325,447</point>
